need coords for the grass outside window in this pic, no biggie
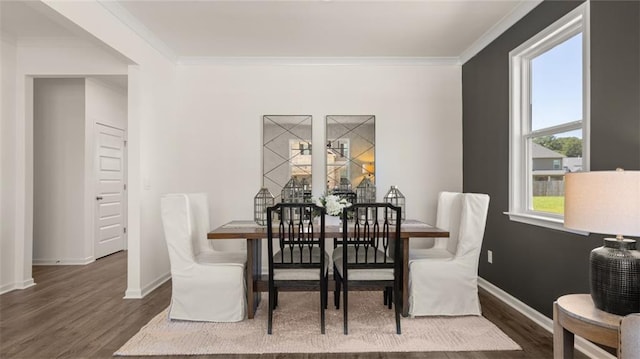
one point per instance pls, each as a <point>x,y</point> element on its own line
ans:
<point>549,204</point>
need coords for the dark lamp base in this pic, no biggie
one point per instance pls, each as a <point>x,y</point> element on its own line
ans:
<point>615,276</point>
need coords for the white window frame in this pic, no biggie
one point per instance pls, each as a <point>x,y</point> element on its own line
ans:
<point>520,179</point>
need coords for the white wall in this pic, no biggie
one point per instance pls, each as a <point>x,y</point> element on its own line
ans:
<point>106,102</point>
<point>7,164</point>
<point>59,172</point>
<point>214,143</point>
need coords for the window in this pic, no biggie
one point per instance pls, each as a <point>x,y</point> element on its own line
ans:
<point>549,118</point>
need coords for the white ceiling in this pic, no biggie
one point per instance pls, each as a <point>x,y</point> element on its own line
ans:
<point>214,29</point>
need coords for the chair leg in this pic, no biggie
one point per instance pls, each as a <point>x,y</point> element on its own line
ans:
<point>336,292</point>
<point>270,305</point>
<point>389,291</point>
<point>323,302</point>
<point>396,304</point>
<point>326,292</point>
<point>384,296</point>
<point>345,303</point>
<point>275,299</point>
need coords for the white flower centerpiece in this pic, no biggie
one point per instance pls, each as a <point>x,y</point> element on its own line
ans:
<point>333,205</point>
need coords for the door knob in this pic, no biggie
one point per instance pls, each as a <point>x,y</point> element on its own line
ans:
<point>98,198</point>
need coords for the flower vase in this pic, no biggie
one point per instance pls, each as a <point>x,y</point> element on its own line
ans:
<point>332,220</point>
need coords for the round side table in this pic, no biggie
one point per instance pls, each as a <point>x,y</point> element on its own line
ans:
<point>575,314</point>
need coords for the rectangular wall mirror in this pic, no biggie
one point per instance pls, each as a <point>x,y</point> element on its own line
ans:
<point>350,154</point>
<point>286,153</point>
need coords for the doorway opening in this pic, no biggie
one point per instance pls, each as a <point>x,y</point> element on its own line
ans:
<point>79,178</point>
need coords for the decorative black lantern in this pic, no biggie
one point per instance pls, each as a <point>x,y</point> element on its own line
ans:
<point>396,198</point>
<point>261,202</point>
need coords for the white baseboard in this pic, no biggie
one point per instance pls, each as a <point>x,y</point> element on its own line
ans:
<point>6,288</point>
<point>586,347</point>
<point>132,294</point>
<point>64,261</point>
<point>139,293</point>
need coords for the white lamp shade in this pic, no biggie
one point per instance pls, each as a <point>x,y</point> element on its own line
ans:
<point>606,202</point>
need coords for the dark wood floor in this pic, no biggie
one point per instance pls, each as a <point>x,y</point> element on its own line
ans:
<point>78,312</point>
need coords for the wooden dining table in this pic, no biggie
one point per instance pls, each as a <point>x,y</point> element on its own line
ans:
<point>254,233</point>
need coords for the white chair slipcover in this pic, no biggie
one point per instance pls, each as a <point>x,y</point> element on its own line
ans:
<point>211,290</point>
<point>443,280</point>
<point>205,249</point>
<point>630,337</point>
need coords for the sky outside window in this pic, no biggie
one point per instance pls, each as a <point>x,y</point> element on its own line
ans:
<point>556,89</point>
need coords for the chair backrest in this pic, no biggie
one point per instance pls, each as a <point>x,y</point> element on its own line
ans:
<point>178,230</point>
<point>202,226</point>
<point>448,218</point>
<point>291,228</point>
<point>473,220</point>
<point>464,215</point>
<point>370,236</point>
<point>199,205</point>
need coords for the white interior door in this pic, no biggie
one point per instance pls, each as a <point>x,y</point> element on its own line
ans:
<point>110,191</point>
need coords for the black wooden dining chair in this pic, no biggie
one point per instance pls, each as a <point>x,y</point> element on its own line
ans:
<point>369,255</point>
<point>300,261</point>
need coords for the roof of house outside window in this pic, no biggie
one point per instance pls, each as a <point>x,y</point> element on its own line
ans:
<point>543,152</point>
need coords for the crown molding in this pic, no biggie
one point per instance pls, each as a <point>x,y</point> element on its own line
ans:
<point>500,27</point>
<point>303,60</point>
<point>120,13</point>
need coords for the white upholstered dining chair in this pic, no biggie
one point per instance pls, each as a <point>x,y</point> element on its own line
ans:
<point>203,289</point>
<point>629,334</point>
<point>443,280</point>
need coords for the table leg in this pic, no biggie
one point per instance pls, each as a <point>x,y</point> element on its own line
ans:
<point>562,338</point>
<point>253,273</point>
<point>405,277</point>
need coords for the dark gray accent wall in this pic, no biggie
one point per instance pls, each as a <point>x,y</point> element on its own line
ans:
<point>615,89</point>
<point>536,264</point>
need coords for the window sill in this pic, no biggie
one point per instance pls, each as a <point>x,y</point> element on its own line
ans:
<point>542,221</point>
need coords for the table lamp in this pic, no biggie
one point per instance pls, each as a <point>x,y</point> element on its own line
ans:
<point>608,202</point>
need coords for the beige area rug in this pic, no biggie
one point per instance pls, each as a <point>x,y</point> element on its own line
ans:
<point>296,329</point>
